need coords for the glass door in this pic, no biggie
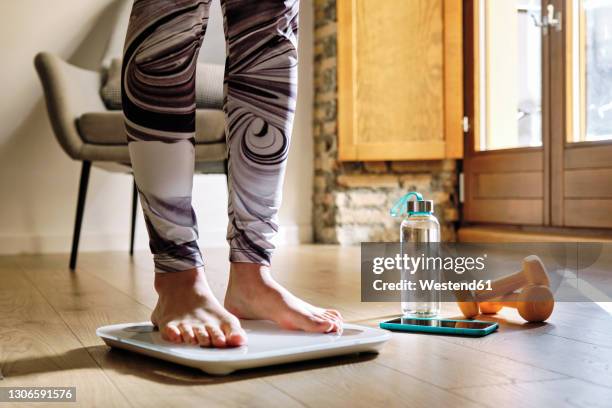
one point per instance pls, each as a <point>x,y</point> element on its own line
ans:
<point>538,95</point>
<point>504,166</point>
<point>581,156</point>
<point>510,74</point>
<point>591,70</point>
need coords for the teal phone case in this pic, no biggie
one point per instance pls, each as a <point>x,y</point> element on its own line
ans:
<point>441,330</point>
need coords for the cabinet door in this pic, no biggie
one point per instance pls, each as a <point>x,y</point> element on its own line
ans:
<point>400,88</point>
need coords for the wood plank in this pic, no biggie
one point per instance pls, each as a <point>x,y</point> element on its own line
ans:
<point>588,213</point>
<point>555,114</point>
<point>366,384</point>
<point>492,234</point>
<point>568,322</point>
<point>528,345</point>
<point>38,349</point>
<point>453,78</point>
<point>588,183</point>
<point>472,81</point>
<point>416,150</point>
<point>588,155</point>
<point>449,365</point>
<point>528,160</point>
<point>346,79</point>
<point>509,185</point>
<point>400,59</point>
<point>508,211</point>
<point>556,393</point>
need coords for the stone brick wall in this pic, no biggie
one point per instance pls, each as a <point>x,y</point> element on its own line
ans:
<point>352,200</point>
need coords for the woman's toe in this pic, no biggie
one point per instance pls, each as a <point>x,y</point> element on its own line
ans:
<point>234,334</point>
<point>335,313</point>
<point>314,323</point>
<point>331,321</point>
<point>171,333</point>
<point>187,333</point>
<point>216,336</point>
<point>202,336</point>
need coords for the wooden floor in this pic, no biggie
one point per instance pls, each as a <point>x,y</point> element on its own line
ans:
<point>48,318</point>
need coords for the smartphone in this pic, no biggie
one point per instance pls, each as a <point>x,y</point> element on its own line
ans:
<point>475,328</point>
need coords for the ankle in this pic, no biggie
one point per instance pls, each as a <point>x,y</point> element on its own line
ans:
<point>244,270</point>
<point>249,275</point>
<point>173,280</point>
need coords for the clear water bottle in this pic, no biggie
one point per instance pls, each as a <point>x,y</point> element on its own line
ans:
<point>419,226</point>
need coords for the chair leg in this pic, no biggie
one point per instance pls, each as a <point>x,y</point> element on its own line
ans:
<point>226,171</point>
<point>134,207</point>
<point>79,212</point>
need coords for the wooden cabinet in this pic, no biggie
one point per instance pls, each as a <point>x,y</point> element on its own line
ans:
<point>400,88</point>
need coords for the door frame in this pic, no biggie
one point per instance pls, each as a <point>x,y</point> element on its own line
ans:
<point>557,154</point>
<point>567,157</point>
<point>529,162</point>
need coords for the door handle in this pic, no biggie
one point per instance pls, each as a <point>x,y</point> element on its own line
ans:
<point>552,19</point>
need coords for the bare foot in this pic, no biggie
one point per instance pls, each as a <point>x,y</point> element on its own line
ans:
<point>188,312</point>
<point>252,293</point>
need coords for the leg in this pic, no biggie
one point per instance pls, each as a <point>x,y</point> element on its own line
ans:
<point>158,96</point>
<point>76,235</point>
<point>261,88</point>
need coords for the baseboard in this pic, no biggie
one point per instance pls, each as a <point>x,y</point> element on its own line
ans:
<point>45,244</point>
<point>292,234</point>
<point>499,234</point>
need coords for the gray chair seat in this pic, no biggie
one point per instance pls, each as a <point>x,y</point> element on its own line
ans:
<point>74,105</point>
<point>106,128</point>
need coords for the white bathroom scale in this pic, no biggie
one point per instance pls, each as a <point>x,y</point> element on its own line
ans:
<point>267,345</point>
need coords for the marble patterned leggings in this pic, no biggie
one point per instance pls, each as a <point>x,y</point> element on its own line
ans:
<point>158,97</point>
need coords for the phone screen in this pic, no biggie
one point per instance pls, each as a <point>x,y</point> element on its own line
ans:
<point>441,323</point>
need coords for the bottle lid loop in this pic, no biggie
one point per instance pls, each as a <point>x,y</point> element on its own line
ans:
<point>401,206</point>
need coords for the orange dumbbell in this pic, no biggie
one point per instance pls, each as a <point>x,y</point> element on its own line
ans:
<point>533,272</point>
<point>534,303</point>
<point>491,307</point>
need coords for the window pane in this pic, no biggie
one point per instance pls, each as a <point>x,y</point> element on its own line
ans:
<point>510,74</point>
<point>592,68</point>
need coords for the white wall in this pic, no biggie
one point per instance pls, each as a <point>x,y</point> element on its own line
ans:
<point>38,182</point>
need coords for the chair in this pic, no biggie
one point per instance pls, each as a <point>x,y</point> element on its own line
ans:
<point>90,129</point>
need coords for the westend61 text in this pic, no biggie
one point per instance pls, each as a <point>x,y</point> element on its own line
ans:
<point>430,284</point>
